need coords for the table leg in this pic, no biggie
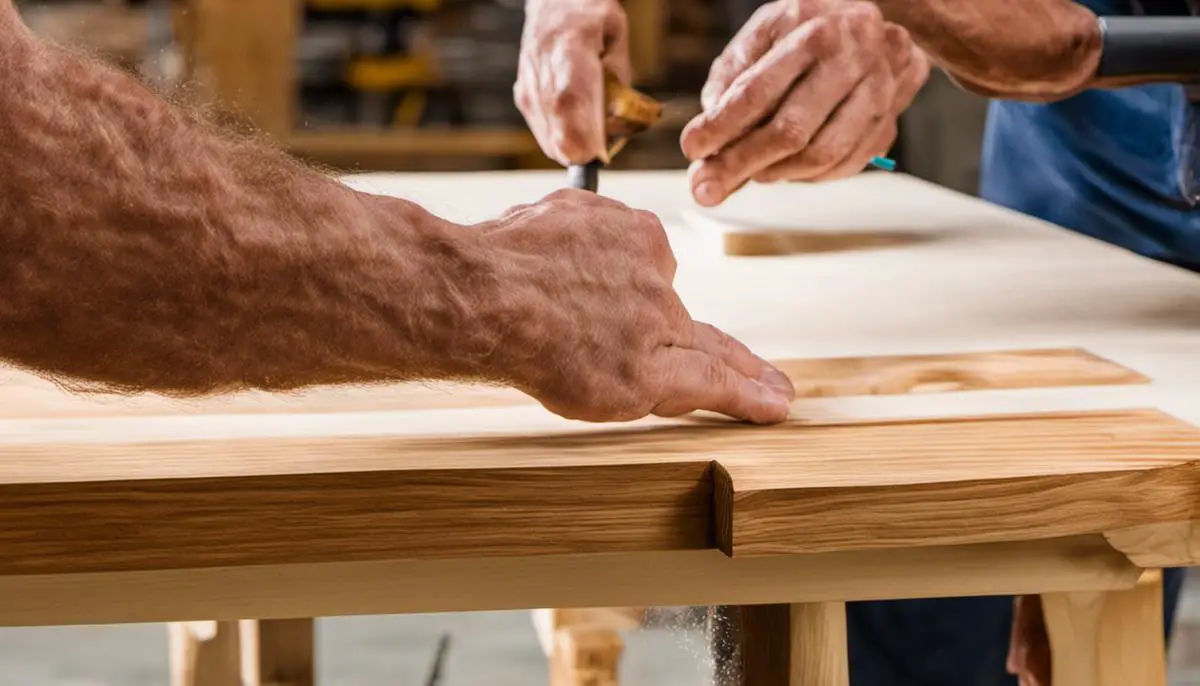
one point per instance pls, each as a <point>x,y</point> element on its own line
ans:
<point>780,645</point>
<point>249,652</point>
<point>1112,638</point>
<point>205,654</point>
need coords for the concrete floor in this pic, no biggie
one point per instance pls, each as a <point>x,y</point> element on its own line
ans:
<point>489,649</point>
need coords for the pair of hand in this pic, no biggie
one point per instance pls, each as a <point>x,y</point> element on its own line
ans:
<point>807,90</point>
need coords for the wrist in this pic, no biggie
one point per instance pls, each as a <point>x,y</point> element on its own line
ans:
<point>440,287</point>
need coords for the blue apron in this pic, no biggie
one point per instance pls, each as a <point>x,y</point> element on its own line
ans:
<point>1120,166</point>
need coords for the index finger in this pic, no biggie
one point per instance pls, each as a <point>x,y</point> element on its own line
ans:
<point>749,44</point>
<point>751,98</point>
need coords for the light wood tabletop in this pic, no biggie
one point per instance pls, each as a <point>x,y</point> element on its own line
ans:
<point>988,404</point>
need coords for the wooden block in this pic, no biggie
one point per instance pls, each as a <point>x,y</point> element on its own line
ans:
<point>908,374</point>
<point>781,645</point>
<point>586,656</point>
<point>547,622</point>
<point>1108,639</point>
<point>1173,544</point>
<point>697,577</point>
<point>1049,475</point>
<point>437,513</point>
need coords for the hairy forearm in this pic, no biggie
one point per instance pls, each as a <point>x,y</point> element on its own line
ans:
<point>1022,49</point>
<point>140,249</point>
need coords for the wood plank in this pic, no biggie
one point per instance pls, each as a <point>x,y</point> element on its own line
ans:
<point>945,373</point>
<point>1108,638</point>
<point>199,522</point>
<point>935,483</point>
<point>782,489</point>
<point>699,577</point>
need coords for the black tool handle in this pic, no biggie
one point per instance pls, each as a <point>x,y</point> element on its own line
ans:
<point>1150,46</point>
<point>585,176</point>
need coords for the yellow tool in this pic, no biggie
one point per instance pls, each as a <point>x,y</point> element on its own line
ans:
<point>626,113</point>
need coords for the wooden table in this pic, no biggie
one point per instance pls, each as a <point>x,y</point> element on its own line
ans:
<point>990,405</point>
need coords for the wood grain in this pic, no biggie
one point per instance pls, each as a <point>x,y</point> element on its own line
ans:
<point>1047,476</point>
<point>199,522</point>
<point>1173,544</point>
<point>789,488</point>
<point>910,374</point>
<point>782,644</point>
<point>205,654</point>
<point>278,652</point>
<point>1108,639</point>
<point>819,654</point>
<point>699,577</point>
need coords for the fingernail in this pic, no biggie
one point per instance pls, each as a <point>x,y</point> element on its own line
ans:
<point>708,193</point>
<point>778,381</point>
<point>781,403</point>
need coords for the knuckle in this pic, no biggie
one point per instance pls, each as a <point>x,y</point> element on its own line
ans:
<point>566,196</point>
<point>788,130</point>
<point>864,14</point>
<point>823,36</point>
<point>825,155</point>
<point>566,99</point>
<point>522,96</point>
<point>716,375</point>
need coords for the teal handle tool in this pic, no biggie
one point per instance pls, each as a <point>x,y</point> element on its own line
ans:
<point>884,163</point>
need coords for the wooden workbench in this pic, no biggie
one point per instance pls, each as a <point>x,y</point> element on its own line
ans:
<point>1010,411</point>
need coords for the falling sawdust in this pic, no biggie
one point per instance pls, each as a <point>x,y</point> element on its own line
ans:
<point>705,635</point>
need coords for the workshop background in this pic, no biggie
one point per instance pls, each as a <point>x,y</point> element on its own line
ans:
<point>426,85</point>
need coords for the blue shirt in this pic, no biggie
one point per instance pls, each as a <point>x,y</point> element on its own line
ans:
<point>1118,165</point>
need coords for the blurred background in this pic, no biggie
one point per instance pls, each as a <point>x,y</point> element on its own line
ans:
<point>423,85</point>
<point>426,85</point>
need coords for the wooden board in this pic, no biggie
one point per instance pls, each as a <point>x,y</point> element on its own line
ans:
<point>1040,476</point>
<point>695,577</point>
<point>900,352</point>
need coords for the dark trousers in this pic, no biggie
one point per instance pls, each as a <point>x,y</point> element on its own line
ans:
<point>945,642</point>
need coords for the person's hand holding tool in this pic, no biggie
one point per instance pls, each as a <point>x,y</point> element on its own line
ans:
<point>565,48</point>
<point>593,328</point>
<point>807,90</point>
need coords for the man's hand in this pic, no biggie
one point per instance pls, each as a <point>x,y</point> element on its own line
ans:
<point>593,329</point>
<point>565,47</point>
<point>1029,644</point>
<point>807,90</point>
